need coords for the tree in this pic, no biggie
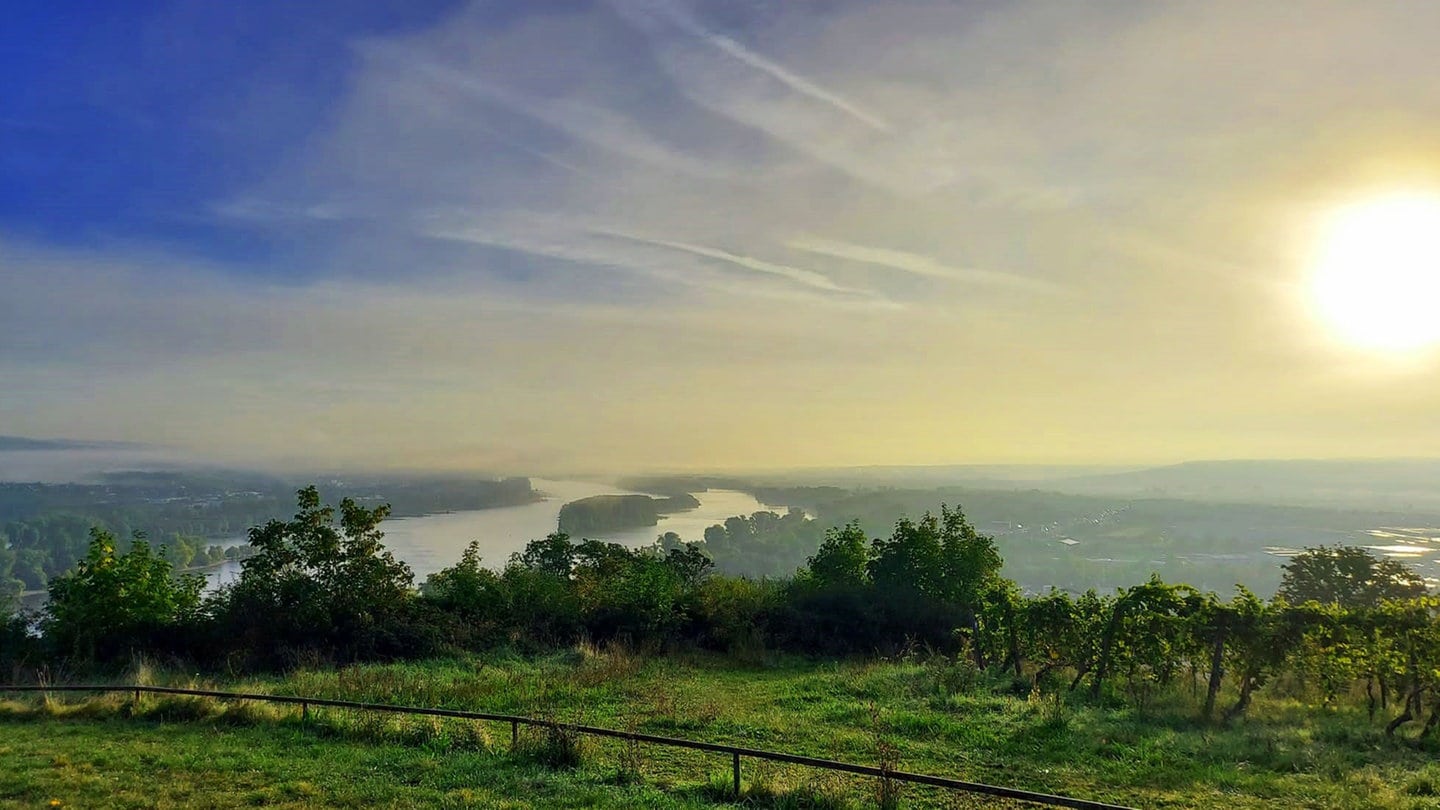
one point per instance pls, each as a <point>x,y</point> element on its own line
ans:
<point>17,645</point>
<point>311,584</point>
<point>111,603</point>
<point>10,585</point>
<point>1347,576</point>
<point>839,563</point>
<point>930,577</point>
<point>471,593</point>
<point>690,563</point>
<point>554,555</point>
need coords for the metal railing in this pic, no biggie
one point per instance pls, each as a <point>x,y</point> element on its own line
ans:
<point>736,752</point>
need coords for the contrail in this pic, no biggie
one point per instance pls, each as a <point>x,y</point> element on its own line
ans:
<point>916,263</point>
<point>795,82</point>
<point>809,278</point>
<point>645,10</point>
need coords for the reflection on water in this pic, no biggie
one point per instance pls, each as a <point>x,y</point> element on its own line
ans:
<point>433,542</point>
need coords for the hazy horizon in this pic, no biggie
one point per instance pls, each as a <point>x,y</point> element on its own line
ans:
<point>656,235</point>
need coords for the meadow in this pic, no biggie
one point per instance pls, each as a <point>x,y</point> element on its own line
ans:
<point>919,712</point>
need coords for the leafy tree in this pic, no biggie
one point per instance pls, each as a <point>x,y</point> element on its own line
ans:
<point>840,562</point>
<point>543,606</point>
<point>1347,576</point>
<point>909,563</point>
<point>554,555</point>
<point>997,625</point>
<point>472,594</point>
<point>930,575</point>
<point>10,585</point>
<point>688,562</point>
<point>311,584</point>
<point>17,646</point>
<point>28,569</point>
<point>1057,631</point>
<point>112,602</point>
<point>624,594</point>
<point>764,543</point>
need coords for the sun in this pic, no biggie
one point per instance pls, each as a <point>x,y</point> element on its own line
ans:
<point>1375,277</point>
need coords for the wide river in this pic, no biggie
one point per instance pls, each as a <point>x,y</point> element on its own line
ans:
<point>433,542</point>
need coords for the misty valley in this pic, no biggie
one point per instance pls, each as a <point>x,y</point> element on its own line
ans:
<point>1048,610</point>
<point>758,527</point>
<point>698,404</point>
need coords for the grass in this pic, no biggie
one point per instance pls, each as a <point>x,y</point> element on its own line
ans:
<point>916,716</point>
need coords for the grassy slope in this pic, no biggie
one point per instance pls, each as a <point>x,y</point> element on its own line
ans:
<point>127,763</point>
<point>208,755</point>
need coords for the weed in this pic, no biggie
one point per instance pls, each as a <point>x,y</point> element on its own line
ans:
<point>558,746</point>
<point>887,757</point>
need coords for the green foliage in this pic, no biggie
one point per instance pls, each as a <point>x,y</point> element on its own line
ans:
<point>311,585</point>
<point>764,543</point>
<point>468,589</point>
<point>10,585</point>
<point>322,586</point>
<point>44,528</point>
<point>942,559</point>
<point>732,614</point>
<point>603,513</point>
<point>1347,576</point>
<point>18,648</point>
<point>114,603</point>
<point>841,562</point>
<point>921,584</point>
<point>555,555</point>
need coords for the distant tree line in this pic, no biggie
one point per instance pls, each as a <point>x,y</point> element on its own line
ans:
<point>34,552</point>
<point>45,528</point>
<point>321,587</point>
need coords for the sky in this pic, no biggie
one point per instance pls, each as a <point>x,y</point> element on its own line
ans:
<point>662,234</point>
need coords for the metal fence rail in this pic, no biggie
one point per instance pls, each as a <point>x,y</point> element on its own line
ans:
<point>736,752</point>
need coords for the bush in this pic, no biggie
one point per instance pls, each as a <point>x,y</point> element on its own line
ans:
<point>113,606</point>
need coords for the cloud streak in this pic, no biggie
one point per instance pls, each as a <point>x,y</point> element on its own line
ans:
<point>807,278</point>
<point>918,264</point>
<point>910,232</point>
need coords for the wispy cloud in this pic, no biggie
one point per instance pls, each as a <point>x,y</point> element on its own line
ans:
<point>808,278</point>
<point>576,118</point>
<point>795,82</point>
<point>699,267</point>
<point>918,264</point>
<point>646,12</point>
<point>634,203</point>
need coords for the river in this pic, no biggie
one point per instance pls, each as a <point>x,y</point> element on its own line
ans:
<point>432,542</point>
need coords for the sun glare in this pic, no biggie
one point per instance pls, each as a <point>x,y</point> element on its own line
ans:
<point>1376,275</point>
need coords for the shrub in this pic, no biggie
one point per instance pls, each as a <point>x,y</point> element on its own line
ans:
<point>115,605</point>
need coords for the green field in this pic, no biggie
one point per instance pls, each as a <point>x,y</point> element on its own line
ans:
<point>933,715</point>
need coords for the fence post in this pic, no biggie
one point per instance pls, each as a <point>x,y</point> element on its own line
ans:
<point>514,734</point>
<point>305,711</point>
<point>736,764</point>
<point>137,697</point>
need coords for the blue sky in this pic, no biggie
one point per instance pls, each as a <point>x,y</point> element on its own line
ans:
<point>672,233</point>
<point>128,120</point>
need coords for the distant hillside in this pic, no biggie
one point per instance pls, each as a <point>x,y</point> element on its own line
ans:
<point>20,443</point>
<point>1397,484</point>
<point>1368,483</point>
